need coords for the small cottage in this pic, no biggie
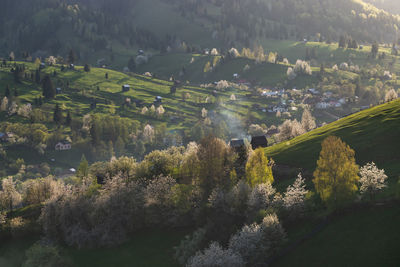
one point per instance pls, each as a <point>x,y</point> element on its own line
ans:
<point>3,137</point>
<point>259,141</point>
<point>236,143</point>
<point>64,145</point>
<point>126,88</point>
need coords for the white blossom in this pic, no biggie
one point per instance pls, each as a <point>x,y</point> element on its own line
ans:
<point>372,179</point>
<point>216,256</point>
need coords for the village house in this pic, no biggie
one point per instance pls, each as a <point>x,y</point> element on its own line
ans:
<point>3,137</point>
<point>126,88</point>
<point>259,141</point>
<point>63,145</point>
<point>236,143</point>
<point>322,105</point>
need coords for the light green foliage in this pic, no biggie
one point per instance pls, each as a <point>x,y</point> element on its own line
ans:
<point>258,169</point>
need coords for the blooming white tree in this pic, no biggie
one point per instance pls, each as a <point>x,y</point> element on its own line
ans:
<point>335,68</point>
<point>214,52</point>
<point>223,84</point>
<point>291,73</point>
<point>216,256</point>
<point>4,104</point>
<point>285,61</point>
<point>261,197</point>
<point>256,242</point>
<point>302,67</point>
<point>294,196</point>
<point>308,121</point>
<point>290,129</point>
<point>256,130</point>
<point>145,110</point>
<point>248,242</point>
<point>51,60</point>
<point>391,95</point>
<point>25,110</point>
<point>233,52</point>
<point>344,66</point>
<point>13,108</point>
<point>148,133</point>
<point>9,196</point>
<point>372,179</point>
<point>160,110</point>
<point>204,113</point>
<point>233,97</point>
<point>152,109</point>
<point>387,75</point>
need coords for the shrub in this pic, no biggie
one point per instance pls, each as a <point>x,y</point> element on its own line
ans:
<point>216,256</point>
<point>189,245</point>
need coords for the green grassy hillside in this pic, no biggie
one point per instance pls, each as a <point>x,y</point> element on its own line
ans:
<point>374,134</point>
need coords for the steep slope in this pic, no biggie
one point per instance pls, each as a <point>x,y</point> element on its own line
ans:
<point>374,135</point>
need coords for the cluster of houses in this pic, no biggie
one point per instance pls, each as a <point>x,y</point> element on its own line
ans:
<point>63,145</point>
<point>256,142</point>
<point>5,137</point>
<point>311,97</point>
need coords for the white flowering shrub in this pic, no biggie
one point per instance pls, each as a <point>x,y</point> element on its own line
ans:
<point>391,95</point>
<point>248,243</point>
<point>233,52</point>
<point>261,197</point>
<point>221,85</point>
<point>372,179</point>
<point>214,52</point>
<point>216,256</point>
<point>256,130</point>
<point>344,66</point>
<point>291,74</point>
<point>294,197</point>
<point>302,67</point>
<point>159,207</point>
<point>190,245</point>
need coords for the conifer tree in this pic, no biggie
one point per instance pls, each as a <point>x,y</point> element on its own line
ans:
<point>7,93</point>
<point>87,68</point>
<point>68,119</point>
<point>57,116</point>
<point>48,88</point>
<point>83,168</point>
<point>71,57</point>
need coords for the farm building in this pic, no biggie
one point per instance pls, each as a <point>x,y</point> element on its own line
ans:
<point>236,143</point>
<point>64,145</point>
<point>126,88</point>
<point>259,141</point>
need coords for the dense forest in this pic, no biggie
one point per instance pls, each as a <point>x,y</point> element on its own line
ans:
<point>55,26</point>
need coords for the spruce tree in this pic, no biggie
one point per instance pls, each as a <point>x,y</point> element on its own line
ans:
<point>37,76</point>
<point>48,88</point>
<point>68,119</point>
<point>71,57</point>
<point>7,93</point>
<point>57,114</point>
<point>83,168</point>
<point>132,64</point>
<point>87,68</point>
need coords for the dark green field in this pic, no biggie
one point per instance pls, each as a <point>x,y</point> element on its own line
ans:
<point>362,238</point>
<point>148,248</point>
